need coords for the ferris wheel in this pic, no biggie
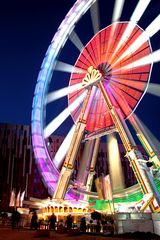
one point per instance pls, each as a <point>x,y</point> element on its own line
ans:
<point>106,83</point>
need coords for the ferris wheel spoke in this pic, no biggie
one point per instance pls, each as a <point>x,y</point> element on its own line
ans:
<point>140,85</point>
<point>94,11</point>
<point>91,120</point>
<point>147,131</point>
<point>76,40</point>
<point>118,7</point>
<point>77,111</point>
<point>137,14</point>
<point>128,41</point>
<point>119,102</point>
<point>75,94</point>
<point>99,118</point>
<point>65,67</point>
<point>154,89</point>
<point>85,62</point>
<point>128,94</point>
<point>85,65</point>
<point>112,42</point>
<point>134,93</point>
<point>120,73</point>
<point>56,122</point>
<point>55,95</point>
<point>135,55</point>
<point>60,154</point>
<point>151,58</point>
<point>153,28</point>
<point>97,108</point>
<point>93,57</point>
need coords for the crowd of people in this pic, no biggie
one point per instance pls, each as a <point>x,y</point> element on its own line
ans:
<point>51,224</point>
<point>84,225</point>
<point>96,225</point>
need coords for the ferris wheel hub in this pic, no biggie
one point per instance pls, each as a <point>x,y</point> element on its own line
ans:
<point>92,77</point>
<point>106,70</point>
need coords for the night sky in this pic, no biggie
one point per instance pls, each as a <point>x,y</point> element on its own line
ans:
<point>26,30</point>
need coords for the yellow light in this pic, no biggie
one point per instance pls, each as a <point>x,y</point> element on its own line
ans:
<point>114,163</point>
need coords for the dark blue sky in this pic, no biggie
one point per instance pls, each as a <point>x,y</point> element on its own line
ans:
<point>26,30</point>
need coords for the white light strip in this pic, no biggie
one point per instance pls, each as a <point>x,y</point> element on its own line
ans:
<point>51,97</point>
<point>132,48</point>
<point>76,41</point>
<point>154,89</point>
<point>153,27</point>
<point>65,67</point>
<point>94,11</point>
<point>118,7</point>
<point>149,32</point>
<point>152,58</point>
<point>63,149</point>
<point>138,12</point>
<point>131,83</point>
<point>55,123</point>
<point>124,37</point>
<point>148,133</point>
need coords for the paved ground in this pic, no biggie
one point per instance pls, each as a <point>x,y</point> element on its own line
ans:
<point>9,234</point>
<point>26,234</point>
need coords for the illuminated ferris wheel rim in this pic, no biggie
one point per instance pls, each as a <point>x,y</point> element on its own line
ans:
<point>49,171</point>
<point>47,168</point>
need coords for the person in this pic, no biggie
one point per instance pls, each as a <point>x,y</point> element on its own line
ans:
<point>4,216</point>
<point>104,226</point>
<point>69,222</point>
<point>91,227</point>
<point>34,221</point>
<point>61,227</point>
<point>83,224</point>
<point>15,219</point>
<point>98,226</point>
<point>52,222</point>
<point>18,218</point>
<point>61,223</point>
<point>111,227</point>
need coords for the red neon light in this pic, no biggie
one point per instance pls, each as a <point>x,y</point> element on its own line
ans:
<point>130,83</point>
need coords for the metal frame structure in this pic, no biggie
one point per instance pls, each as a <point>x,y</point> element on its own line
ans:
<point>137,162</point>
